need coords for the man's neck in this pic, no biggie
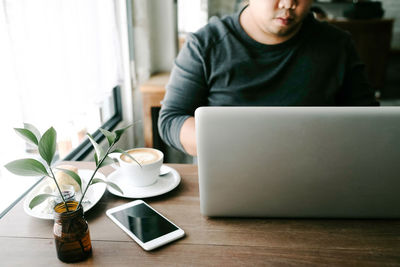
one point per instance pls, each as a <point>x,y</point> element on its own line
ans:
<point>252,30</point>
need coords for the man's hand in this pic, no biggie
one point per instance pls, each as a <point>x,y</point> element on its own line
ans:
<point>187,136</point>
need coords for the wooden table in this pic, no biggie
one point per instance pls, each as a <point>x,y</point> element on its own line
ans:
<point>27,241</point>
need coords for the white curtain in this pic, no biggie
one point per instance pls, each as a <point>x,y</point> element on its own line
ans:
<point>59,61</point>
<point>65,56</point>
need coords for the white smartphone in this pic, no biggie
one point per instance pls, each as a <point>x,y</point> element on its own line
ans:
<point>144,224</point>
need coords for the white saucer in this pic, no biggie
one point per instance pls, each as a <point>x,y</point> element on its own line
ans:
<point>44,211</point>
<point>164,184</point>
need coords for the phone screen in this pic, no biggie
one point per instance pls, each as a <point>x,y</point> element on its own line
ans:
<point>143,222</point>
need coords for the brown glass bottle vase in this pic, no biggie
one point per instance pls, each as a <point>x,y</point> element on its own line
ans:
<point>71,233</point>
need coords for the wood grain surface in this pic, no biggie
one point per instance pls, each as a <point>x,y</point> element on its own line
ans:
<point>25,240</point>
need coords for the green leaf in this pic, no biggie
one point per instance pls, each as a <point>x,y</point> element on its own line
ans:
<point>110,136</point>
<point>119,132</point>
<point>73,175</point>
<point>39,199</point>
<point>27,167</point>
<point>47,145</point>
<point>27,135</point>
<point>97,148</point>
<point>116,187</point>
<point>33,129</point>
<point>96,159</point>
<point>127,154</point>
<point>107,161</point>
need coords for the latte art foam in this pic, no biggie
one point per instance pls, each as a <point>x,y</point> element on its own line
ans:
<point>143,156</point>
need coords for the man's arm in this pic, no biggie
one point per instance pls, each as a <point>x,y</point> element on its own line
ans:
<point>186,90</point>
<point>187,136</point>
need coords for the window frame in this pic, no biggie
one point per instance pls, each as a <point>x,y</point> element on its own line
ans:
<point>85,148</point>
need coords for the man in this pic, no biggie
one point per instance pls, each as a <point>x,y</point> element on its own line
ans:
<point>271,53</point>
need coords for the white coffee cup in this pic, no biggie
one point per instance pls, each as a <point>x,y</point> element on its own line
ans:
<point>147,172</point>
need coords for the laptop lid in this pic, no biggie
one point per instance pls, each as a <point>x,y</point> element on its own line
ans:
<point>327,162</point>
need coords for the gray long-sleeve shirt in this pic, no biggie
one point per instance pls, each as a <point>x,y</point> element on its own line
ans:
<point>220,65</point>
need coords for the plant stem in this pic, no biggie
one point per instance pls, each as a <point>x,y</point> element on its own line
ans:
<point>94,173</point>
<point>59,190</point>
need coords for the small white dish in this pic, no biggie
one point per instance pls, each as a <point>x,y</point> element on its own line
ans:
<point>164,184</point>
<point>93,195</point>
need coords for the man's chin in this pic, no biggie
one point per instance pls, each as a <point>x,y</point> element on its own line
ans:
<point>282,32</point>
<point>286,31</point>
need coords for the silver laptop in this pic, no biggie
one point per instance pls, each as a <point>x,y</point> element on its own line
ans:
<point>321,162</point>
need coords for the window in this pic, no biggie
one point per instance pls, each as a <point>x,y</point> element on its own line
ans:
<point>61,66</point>
<point>192,15</point>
